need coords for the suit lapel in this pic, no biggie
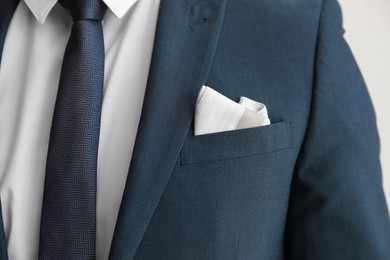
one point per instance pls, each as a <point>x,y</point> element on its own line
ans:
<point>7,9</point>
<point>186,39</point>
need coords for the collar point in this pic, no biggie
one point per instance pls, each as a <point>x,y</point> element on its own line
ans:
<point>40,10</point>
<point>119,9</point>
<point>41,20</point>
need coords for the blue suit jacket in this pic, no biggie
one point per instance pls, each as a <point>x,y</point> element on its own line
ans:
<point>306,187</point>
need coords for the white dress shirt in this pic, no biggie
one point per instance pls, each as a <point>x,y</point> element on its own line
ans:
<point>29,77</point>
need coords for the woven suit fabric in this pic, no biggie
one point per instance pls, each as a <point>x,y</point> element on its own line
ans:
<point>68,222</point>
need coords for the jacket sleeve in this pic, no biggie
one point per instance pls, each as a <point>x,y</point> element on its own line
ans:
<point>337,207</point>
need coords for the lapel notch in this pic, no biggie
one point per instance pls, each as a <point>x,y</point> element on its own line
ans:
<point>186,39</point>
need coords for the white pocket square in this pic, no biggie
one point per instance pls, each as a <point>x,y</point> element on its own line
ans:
<point>216,113</point>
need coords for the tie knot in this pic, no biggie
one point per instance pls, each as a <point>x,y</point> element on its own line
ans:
<point>85,9</point>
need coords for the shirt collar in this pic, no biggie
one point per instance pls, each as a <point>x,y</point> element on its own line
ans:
<point>42,8</point>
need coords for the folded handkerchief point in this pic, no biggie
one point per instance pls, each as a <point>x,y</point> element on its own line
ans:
<point>216,113</point>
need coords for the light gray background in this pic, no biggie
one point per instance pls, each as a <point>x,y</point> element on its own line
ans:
<point>367,25</point>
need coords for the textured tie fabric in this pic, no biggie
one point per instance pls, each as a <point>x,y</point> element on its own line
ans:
<point>68,222</point>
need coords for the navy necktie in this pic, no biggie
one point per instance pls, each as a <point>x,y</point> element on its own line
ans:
<point>68,222</point>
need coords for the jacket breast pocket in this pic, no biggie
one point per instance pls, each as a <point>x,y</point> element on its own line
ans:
<point>236,144</point>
